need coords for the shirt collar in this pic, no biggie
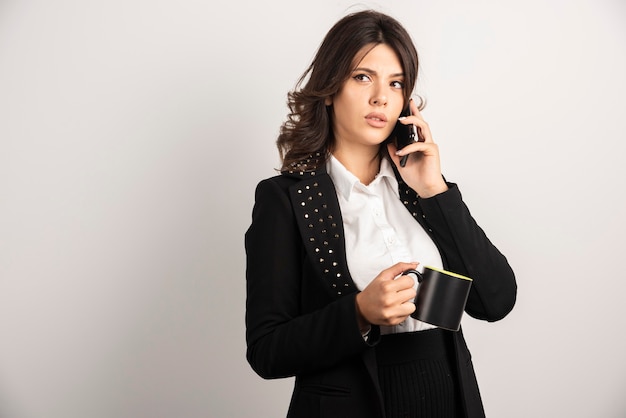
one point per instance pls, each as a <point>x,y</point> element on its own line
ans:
<point>345,181</point>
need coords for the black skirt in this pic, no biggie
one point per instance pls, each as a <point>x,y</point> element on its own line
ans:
<point>417,375</point>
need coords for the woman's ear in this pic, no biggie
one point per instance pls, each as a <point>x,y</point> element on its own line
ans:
<point>328,101</point>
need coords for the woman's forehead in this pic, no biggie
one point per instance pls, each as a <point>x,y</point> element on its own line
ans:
<point>365,53</point>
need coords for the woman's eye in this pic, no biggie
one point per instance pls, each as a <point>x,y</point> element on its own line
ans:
<point>397,84</point>
<point>362,77</point>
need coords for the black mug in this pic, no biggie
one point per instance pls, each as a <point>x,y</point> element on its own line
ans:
<point>441,297</point>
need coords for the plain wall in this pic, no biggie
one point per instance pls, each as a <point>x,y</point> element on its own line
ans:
<point>133,133</point>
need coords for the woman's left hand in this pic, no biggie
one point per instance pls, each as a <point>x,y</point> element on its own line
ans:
<point>422,171</point>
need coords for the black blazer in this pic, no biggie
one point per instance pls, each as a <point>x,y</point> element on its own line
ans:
<point>300,309</point>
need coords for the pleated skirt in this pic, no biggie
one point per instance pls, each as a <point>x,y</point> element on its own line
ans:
<point>418,375</point>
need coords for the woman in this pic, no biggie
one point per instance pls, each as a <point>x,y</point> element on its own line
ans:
<point>331,235</point>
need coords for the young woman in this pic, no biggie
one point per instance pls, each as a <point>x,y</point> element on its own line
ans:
<point>331,235</point>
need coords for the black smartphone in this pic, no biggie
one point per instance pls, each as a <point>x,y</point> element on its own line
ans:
<point>404,135</point>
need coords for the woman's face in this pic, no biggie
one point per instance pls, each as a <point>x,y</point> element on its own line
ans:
<point>369,103</point>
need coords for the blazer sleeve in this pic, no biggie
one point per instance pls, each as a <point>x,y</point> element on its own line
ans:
<point>283,338</point>
<point>468,251</point>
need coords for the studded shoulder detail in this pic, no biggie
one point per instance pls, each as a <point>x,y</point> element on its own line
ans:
<point>410,199</point>
<point>309,167</point>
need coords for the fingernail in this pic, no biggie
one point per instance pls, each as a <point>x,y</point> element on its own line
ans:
<point>402,118</point>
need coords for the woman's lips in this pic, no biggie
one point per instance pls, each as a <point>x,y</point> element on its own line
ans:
<point>377,120</point>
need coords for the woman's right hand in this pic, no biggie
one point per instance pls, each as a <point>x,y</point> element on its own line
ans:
<point>387,300</point>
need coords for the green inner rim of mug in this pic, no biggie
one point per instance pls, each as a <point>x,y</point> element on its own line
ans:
<point>449,273</point>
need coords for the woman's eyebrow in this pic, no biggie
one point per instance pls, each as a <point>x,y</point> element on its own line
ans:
<point>370,71</point>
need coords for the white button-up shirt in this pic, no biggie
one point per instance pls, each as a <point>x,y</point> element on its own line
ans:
<point>379,231</point>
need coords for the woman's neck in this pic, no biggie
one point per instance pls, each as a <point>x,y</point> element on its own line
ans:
<point>363,163</point>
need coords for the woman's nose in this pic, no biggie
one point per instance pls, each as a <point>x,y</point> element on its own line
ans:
<point>378,99</point>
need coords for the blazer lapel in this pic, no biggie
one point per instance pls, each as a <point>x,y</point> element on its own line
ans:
<point>319,219</point>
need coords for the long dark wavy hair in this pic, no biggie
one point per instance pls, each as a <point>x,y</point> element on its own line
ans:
<point>308,129</point>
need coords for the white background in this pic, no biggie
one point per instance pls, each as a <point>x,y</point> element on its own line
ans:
<point>133,133</point>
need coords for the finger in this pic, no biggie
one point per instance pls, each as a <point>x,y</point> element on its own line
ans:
<point>409,307</point>
<point>424,130</point>
<point>396,155</point>
<point>395,287</point>
<point>403,311</point>
<point>404,282</point>
<point>398,313</point>
<point>425,148</point>
<point>407,295</point>
<point>398,268</point>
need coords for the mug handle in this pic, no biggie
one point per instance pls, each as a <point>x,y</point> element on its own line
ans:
<point>417,273</point>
